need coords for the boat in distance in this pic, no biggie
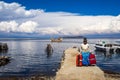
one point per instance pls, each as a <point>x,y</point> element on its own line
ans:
<point>56,40</point>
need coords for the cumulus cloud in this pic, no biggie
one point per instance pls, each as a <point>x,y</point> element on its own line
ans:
<point>14,10</point>
<point>28,27</point>
<point>15,18</point>
<point>12,26</point>
<point>8,26</point>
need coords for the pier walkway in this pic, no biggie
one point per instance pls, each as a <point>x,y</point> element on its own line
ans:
<point>69,71</point>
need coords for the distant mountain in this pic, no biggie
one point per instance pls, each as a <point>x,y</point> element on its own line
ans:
<point>72,37</point>
<point>111,36</point>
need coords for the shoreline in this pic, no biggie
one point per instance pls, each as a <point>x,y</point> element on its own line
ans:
<point>35,77</point>
<point>112,76</point>
<point>108,76</point>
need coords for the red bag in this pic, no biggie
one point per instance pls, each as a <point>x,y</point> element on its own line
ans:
<point>79,60</point>
<point>92,59</point>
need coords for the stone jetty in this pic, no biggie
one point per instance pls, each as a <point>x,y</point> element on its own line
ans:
<point>69,71</point>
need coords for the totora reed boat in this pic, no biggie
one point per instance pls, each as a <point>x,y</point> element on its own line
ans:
<point>56,40</point>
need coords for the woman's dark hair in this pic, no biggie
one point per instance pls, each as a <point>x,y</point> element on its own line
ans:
<point>84,39</point>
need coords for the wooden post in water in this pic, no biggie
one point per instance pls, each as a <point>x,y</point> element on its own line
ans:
<point>4,59</point>
<point>3,46</point>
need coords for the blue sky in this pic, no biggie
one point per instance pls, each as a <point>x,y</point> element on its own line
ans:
<point>84,7</point>
<point>47,18</point>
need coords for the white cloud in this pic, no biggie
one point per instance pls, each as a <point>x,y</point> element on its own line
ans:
<point>14,10</point>
<point>12,26</point>
<point>15,18</point>
<point>8,26</point>
<point>28,27</point>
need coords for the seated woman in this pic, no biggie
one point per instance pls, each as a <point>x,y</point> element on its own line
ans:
<point>85,46</point>
<point>85,52</point>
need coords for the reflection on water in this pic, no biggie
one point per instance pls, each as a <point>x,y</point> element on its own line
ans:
<point>28,57</point>
<point>104,55</point>
<point>49,54</point>
<point>3,51</point>
<point>108,61</point>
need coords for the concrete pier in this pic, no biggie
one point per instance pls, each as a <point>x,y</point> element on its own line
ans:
<point>69,71</point>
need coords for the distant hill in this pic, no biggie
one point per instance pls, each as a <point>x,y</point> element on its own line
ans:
<point>72,37</point>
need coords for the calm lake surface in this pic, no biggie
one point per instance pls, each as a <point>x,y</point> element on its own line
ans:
<point>28,56</point>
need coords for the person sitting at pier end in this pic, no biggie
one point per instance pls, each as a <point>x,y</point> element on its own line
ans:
<point>85,52</point>
<point>85,46</point>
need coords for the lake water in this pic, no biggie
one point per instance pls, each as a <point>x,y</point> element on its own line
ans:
<point>28,57</point>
